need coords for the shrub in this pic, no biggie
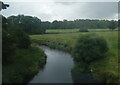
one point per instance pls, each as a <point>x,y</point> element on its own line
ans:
<point>22,40</point>
<point>8,47</point>
<point>110,77</point>
<point>13,38</point>
<point>83,30</point>
<point>90,47</point>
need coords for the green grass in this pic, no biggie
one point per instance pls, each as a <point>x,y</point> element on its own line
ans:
<point>61,30</point>
<point>67,42</point>
<point>25,67</point>
<point>72,30</point>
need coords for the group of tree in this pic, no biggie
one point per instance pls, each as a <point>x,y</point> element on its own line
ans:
<point>82,23</point>
<point>29,24</point>
<point>15,30</point>
<point>33,25</point>
<point>12,38</point>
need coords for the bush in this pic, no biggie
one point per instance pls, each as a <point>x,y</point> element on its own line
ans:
<point>83,30</point>
<point>12,39</point>
<point>22,40</point>
<point>8,47</point>
<point>90,47</point>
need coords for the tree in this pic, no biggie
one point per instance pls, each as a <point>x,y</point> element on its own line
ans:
<point>12,38</point>
<point>33,25</point>
<point>81,23</point>
<point>21,39</point>
<point>8,42</point>
<point>29,24</point>
<point>90,47</point>
<point>8,47</point>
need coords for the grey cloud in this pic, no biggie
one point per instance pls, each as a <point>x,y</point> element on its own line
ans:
<point>64,10</point>
<point>101,9</point>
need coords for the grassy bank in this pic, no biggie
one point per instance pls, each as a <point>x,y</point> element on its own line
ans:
<point>28,63</point>
<point>67,42</point>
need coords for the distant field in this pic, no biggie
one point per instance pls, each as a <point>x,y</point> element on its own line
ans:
<point>68,41</point>
<point>61,30</point>
<point>71,30</point>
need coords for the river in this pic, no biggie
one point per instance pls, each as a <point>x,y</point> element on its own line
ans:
<point>57,69</point>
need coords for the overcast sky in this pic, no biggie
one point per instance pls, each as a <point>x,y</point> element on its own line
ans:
<point>59,10</point>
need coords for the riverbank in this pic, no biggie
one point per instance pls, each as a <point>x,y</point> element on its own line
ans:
<point>28,63</point>
<point>104,68</point>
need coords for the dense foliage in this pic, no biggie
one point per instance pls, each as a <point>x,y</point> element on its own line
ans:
<point>33,25</point>
<point>20,60</point>
<point>29,24</point>
<point>13,38</point>
<point>112,25</point>
<point>90,47</point>
<point>119,24</point>
<point>81,23</point>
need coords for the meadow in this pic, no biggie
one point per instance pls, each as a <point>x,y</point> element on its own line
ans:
<point>67,42</point>
<point>73,30</point>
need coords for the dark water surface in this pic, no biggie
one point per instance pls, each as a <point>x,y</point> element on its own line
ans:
<point>57,69</point>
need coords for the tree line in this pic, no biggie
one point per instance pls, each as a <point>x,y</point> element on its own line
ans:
<point>82,23</point>
<point>29,24</point>
<point>34,25</point>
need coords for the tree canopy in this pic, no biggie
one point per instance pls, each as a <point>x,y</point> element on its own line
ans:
<point>81,23</point>
<point>29,24</point>
<point>12,38</point>
<point>33,25</point>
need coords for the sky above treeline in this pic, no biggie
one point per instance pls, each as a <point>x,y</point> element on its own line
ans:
<point>50,10</point>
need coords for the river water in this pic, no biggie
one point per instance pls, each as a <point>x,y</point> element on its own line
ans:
<point>57,69</point>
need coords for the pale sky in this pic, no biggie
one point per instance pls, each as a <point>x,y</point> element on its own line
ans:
<point>49,10</point>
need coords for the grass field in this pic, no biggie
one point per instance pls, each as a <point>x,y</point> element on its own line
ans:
<point>72,30</point>
<point>67,42</point>
<point>61,30</point>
